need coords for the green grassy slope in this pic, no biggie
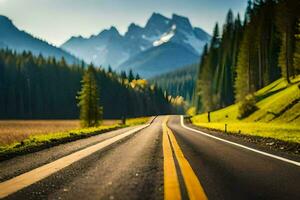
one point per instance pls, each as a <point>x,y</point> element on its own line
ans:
<point>278,115</point>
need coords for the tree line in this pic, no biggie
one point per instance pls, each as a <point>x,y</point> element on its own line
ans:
<point>249,54</point>
<point>34,87</point>
<point>180,82</point>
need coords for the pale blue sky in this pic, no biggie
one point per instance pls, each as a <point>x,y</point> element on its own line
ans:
<point>57,20</point>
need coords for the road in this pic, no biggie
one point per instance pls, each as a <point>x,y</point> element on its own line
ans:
<point>162,160</point>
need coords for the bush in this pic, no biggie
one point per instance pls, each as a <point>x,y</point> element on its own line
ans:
<point>247,107</point>
<point>191,111</point>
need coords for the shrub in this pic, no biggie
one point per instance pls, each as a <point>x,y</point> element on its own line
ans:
<point>247,106</point>
<point>191,111</point>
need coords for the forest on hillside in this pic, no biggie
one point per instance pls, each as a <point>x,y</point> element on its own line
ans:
<point>249,54</point>
<point>37,87</point>
<point>180,82</point>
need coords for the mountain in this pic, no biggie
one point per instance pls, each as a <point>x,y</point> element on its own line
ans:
<point>106,48</point>
<point>162,45</point>
<point>160,59</point>
<point>15,39</point>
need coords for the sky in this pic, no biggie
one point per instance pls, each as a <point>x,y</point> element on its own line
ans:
<point>57,20</point>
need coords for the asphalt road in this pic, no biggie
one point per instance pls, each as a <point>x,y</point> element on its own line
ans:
<point>161,161</point>
<point>230,172</point>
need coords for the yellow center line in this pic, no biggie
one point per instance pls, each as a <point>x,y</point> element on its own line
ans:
<point>171,183</point>
<point>193,185</point>
<point>24,180</point>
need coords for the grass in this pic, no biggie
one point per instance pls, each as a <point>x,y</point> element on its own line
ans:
<point>278,115</point>
<point>12,131</point>
<point>42,133</point>
<point>288,133</point>
<point>137,121</point>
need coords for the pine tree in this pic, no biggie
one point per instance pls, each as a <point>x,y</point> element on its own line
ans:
<point>137,77</point>
<point>297,51</point>
<point>210,71</point>
<point>224,91</point>
<point>39,87</point>
<point>287,17</point>
<point>247,55</point>
<point>90,111</point>
<point>248,13</point>
<point>130,76</point>
<point>242,82</point>
<point>197,97</point>
<point>109,69</point>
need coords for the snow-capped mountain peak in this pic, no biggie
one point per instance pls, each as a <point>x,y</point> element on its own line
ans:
<point>109,47</point>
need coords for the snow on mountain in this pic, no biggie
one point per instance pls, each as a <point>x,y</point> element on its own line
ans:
<point>111,48</point>
<point>166,37</point>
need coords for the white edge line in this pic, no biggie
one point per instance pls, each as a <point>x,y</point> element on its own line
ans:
<point>239,145</point>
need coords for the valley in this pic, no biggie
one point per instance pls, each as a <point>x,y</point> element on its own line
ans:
<point>162,100</point>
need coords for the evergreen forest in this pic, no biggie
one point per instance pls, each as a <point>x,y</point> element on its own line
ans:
<point>247,55</point>
<point>46,88</point>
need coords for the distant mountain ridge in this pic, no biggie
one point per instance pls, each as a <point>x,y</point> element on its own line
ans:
<point>163,44</point>
<point>159,60</point>
<point>13,38</point>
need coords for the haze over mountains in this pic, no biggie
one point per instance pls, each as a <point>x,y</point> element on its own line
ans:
<point>164,44</point>
<point>13,38</point>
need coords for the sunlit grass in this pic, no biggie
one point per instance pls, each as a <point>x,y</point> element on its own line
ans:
<point>17,130</point>
<point>286,132</point>
<point>39,137</point>
<point>269,120</point>
<point>137,121</point>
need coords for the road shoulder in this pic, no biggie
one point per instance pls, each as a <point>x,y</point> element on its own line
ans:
<point>267,145</point>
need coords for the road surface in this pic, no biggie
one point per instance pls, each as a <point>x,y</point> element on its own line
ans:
<point>163,160</point>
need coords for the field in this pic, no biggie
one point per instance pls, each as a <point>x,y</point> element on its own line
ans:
<point>278,115</point>
<point>19,136</point>
<point>12,131</point>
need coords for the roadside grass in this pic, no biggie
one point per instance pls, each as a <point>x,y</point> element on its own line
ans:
<point>286,132</point>
<point>12,131</point>
<point>137,121</point>
<point>278,115</point>
<point>38,141</point>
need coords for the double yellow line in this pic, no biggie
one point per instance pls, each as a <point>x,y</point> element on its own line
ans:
<point>171,181</point>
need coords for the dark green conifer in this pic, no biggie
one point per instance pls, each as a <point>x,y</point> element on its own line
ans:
<point>90,110</point>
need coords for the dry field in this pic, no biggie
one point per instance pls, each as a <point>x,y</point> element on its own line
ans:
<point>17,130</point>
